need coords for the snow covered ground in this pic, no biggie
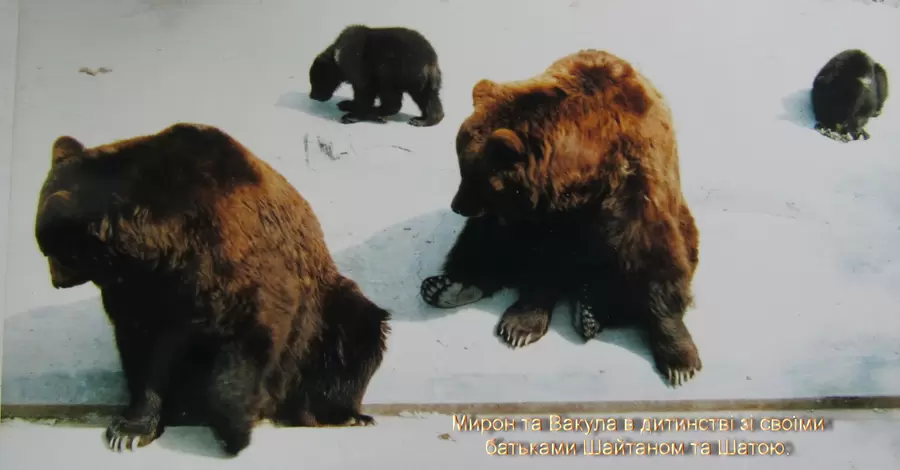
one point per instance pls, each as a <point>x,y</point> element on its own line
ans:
<point>797,289</point>
<point>856,441</point>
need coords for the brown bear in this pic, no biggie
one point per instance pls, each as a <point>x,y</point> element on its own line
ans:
<point>571,189</point>
<point>213,270</point>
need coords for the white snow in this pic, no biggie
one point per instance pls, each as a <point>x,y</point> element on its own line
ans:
<point>858,441</point>
<point>797,289</point>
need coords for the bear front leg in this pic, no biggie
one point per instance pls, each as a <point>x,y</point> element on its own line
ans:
<point>139,424</point>
<point>361,108</point>
<point>528,319</point>
<point>234,380</point>
<point>657,260</point>
<point>663,307</point>
<point>473,269</point>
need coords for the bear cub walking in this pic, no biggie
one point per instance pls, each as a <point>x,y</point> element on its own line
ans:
<point>225,303</point>
<point>850,89</point>
<point>382,63</point>
<point>571,189</point>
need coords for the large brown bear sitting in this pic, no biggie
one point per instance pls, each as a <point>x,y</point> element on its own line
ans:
<point>571,187</point>
<point>225,302</point>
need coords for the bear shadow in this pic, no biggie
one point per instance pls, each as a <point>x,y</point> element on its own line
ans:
<point>391,265</point>
<point>798,109</point>
<point>326,110</point>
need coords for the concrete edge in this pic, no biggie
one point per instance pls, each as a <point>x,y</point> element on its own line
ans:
<point>6,157</point>
<point>97,415</point>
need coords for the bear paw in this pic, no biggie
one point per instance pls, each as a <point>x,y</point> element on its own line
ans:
<point>586,321</point>
<point>123,434</point>
<point>349,118</point>
<point>442,292</point>
<point>420,122</point>
<point>859,135</point>
<point>521,326</point>
<point>677,360</point>
<point>360,420</point>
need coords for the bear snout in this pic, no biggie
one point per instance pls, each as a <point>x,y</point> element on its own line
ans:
<point>466,206</point>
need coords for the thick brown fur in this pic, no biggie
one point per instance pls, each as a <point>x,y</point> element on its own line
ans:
<point>226,305</point>
<point>383,63</point>
<point>571,186</point>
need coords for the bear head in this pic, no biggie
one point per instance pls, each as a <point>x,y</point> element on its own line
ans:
<point>62,227</point>
<point>325,76</point>
<point>517,156</point>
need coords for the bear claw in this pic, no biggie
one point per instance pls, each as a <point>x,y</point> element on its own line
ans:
<point>678,363</point>
<point>360,420</point>
<point>520,327</point>
<point>442,292</point>
<point>125,434</point>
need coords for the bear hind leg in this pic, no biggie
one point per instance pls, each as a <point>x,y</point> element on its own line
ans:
<point>443,292</point>
<point>473,270</point>
<point>326,401</point>
<point>429,102</point>
<point>589,316</point>
<point>881,88</point>
<point>232,394</point>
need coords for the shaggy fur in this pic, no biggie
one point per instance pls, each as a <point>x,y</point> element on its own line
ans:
<point>571,189</point>
<point>226,305</point>
<point>383,63</point>
<point>850,89</point>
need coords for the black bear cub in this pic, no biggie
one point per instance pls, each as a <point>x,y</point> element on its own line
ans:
<point>225,303</point>
<point>382,63</point>
<point>850,89</point>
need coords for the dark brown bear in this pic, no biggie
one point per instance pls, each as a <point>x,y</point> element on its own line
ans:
<point>571,189</point>
<point>214,273</point>
<point>850,89</point>
<point>382,63</point>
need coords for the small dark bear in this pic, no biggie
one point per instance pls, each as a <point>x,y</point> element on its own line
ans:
<point>850,89</point>
<point>383,63</point>
<point>213,270</point>
<point>571,190</point>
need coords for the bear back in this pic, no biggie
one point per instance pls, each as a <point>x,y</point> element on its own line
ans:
<point>583,129</point>
<point>189,199</point>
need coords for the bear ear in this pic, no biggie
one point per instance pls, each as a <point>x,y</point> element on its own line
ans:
<point>483,90</point>
<point>505,145</point>
<point>66,147</point>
